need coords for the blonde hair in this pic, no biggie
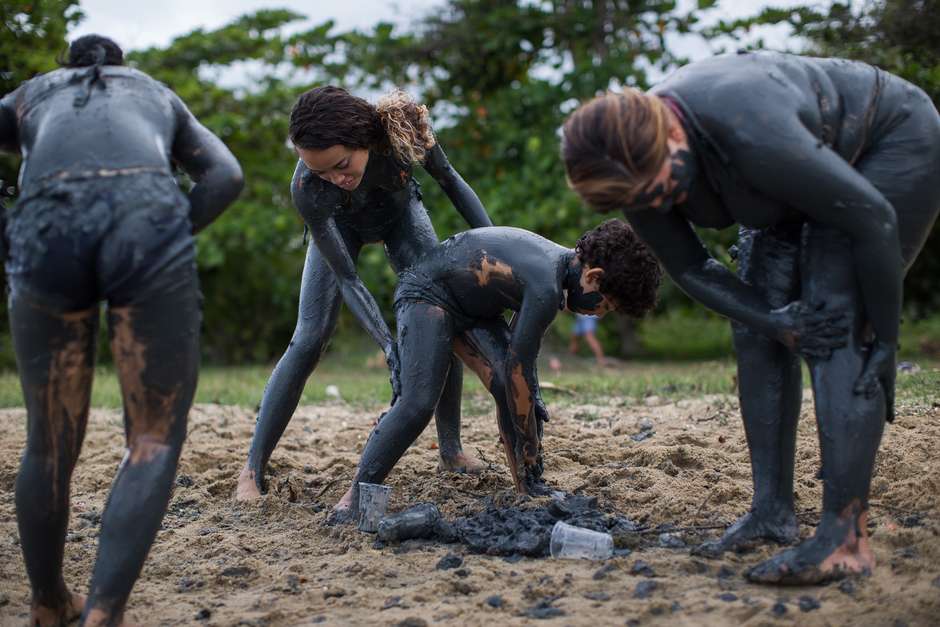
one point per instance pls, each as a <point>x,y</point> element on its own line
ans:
<point>613,145</point>
<point>407,125</point>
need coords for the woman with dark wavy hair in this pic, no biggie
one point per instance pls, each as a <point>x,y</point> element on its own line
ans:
<point>829,167</point>
<point>353,185</point>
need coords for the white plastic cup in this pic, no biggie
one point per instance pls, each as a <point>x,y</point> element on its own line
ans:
<point>373,501</point>
<point>570,542</point>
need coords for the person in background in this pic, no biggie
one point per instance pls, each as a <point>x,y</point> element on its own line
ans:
<point>585,325</point>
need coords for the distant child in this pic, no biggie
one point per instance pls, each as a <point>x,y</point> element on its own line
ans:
<point>585,325</point>
<point>453,300</point>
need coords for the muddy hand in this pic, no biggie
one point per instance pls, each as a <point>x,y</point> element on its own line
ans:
<point>811,330</point>
<point>879,372</point>
<point>394,371</point>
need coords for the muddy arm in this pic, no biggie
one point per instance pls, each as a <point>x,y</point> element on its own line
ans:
<point>462,195</point>
<point>811,178</point>
<point>9,137</point>
<point>209,163</point>
<point>808,329</point>
<point>522,387</point>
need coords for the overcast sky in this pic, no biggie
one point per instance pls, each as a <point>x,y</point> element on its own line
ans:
<point>143,24</point>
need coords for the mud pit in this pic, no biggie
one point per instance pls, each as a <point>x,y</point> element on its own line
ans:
<point>276,563</point>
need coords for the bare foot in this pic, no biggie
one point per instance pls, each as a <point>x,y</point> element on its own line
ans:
<point>97,616</point>
<point>51,617</point>
<point>247,488</point>
<point>840,547</point>
<point>751,529</point>
<point>461,462</point>
<point>343,512</point>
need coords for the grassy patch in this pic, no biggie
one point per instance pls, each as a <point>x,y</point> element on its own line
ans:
<point>579,382</point>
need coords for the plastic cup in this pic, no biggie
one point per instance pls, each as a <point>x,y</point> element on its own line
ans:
<point>373,501</point>
<point>570,542</point>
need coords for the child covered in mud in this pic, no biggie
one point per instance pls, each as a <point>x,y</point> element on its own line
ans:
<point>101,217</point>
<point>468,282</point>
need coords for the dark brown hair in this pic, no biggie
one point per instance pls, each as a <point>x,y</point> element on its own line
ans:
<point>613,145</point>
<point>327,116</point>
<point>94,50</point>
<point>631,273</point>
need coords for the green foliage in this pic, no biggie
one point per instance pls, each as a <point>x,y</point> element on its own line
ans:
<point>499,76</point>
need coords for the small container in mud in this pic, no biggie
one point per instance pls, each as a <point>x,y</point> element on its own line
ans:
<point>373,501</point>
<point>570,542</point>
<point>420,521</point>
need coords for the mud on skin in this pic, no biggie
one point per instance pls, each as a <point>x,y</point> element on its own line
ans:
<point>100,217</point>
<point>386,207</point>
<point>842,131</point>
<point>454,300</point>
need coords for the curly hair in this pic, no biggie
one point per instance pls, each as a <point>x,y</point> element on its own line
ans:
<point>329,116</point>
<point>93,50</point>
<point>632,274</point>
<point>613,146</point>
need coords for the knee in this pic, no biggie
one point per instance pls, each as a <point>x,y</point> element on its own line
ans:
<point>418,403</point>
<point>307,344</point>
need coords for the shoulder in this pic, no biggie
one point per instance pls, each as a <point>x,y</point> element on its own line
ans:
<point>315,198</point>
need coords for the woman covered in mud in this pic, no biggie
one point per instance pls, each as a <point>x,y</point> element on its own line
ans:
<point>101,217</point>
<point>466,284</point>
<point>829,167</point>
<point>353,185</point>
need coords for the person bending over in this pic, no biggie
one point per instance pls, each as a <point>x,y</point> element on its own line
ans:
<point>467,283</point>
<point>353,185</point>
<point>101,217</point>
<point>830,168</point>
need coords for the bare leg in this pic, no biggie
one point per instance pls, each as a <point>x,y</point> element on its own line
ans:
<point>425,337</point>
<point>769,388</point>
<point>316,320</point>
<point>596,348</point>
<point>850,429</point>
<point>55,357</point>
<point>411,236</point>
<point>155,343</point>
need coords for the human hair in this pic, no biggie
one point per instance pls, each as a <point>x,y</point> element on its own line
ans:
<point>613,145</point>
<point>328,115</point>
<point>94,50</point>
<point>632,274</point>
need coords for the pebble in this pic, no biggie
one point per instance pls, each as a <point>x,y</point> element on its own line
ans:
<point>779,609</point>
<point>808,603</point>
<point>847,586</point>
<point>451,560</point>
<point>204,614</point>
<point>642,568</point>
<point>601,573</point>
<point>494,601</point>
<point>671,541</point>
<point>597,596</point>
<point>644,589</point>
<point>728,597</point>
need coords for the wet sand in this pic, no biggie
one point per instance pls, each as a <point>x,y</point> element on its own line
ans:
<point>275,562</point>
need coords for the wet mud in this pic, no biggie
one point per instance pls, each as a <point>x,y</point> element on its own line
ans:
<point>276,562</point>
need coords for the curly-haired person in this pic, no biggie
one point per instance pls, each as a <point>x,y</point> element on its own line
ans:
<point>353,185</point>
<point>466,284</point>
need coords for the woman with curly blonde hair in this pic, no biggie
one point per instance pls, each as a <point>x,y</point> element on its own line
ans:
<point>353,185</point>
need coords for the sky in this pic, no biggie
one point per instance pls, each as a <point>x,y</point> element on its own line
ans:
<point>142,24</point>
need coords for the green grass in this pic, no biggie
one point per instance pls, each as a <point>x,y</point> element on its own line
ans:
<point>578,383</point>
